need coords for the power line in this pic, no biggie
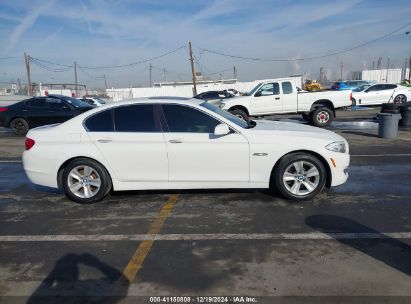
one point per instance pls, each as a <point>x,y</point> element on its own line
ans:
<point>307,58</point>
<point>134,63</point>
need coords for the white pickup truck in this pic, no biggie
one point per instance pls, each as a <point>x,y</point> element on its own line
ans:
<point>282,96</point>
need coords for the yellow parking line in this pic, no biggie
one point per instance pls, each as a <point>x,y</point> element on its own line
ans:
<point>136,261</point>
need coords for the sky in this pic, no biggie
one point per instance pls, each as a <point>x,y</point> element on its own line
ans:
<point>97,33</point>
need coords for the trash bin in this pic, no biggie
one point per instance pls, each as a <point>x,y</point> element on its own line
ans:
<point>390,108</point>
<point>388,125</point>
<point>406,115</point>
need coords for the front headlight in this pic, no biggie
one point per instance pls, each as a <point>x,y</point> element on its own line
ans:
<point>222,105</point>
<point>338,146</point>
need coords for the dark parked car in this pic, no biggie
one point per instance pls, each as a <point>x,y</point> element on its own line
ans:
<point>214,97</point>
<point>39,111</point>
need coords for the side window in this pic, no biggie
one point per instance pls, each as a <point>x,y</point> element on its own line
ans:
<point>135,118</point>
<point>287,87</point>
<point>270,89</point>
<point>38,103</point>
<point>186,119</point>
<point>377,87</point>
<point>390,86</point>
<point>55,104</point>
<point>100,122</point>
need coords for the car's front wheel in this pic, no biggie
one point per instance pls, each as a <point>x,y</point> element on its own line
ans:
<point>299,176</point>
<point>86,181</point>
<point>240,114</point>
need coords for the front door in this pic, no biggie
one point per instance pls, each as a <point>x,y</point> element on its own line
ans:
<point>195,154</point>
<point>268,99</point>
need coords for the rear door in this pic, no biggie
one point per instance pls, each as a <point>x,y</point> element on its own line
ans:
<point>132,142</point>
<point>37,111</point>
<point>268,99</point>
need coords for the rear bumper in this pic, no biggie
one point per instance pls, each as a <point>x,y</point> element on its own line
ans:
<point>39,170</point>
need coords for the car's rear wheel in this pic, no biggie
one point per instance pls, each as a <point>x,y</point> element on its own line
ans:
<point>19,126</point>
<point>353,102</point>
<point>401,98</point>
<point>322,117</point>
<point>299,176</point>
<point>86,181</point>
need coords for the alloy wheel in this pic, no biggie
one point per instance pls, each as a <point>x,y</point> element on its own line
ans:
<point>301,178</point>
<point>84,181</point>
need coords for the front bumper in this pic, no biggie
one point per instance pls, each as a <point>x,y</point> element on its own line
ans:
<point>339,163</point>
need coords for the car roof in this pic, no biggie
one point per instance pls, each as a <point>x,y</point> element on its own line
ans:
<point>164,100</point>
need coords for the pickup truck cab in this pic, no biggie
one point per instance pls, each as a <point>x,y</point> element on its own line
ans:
<point>281,96</point>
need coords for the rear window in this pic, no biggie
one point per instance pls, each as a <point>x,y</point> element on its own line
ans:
<point>135,118</point>
<point>287,87</point>
<point>100,122</point>
<point>37,103</point>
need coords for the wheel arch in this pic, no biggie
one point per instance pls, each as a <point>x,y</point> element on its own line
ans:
<point>238,107</point>
<point>323,103</point>
<point>315,154</point>
<point>64,165</point>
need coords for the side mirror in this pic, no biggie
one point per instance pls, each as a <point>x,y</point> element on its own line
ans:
<point>221,129</point>
<point>258,94</point>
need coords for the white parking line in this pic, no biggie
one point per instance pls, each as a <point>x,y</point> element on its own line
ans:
<point>378,155</point>
<point>203,237</point>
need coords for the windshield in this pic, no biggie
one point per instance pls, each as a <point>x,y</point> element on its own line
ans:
<point>234,119</point>
<point>77,103</point>
<point>102,101</point>
<point>253,90</point>
<point>361,88</point>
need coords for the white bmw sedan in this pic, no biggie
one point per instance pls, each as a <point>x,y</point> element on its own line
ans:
<point>181,144</point>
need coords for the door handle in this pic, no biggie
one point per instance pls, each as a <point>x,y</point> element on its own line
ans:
<point>277,98</point>
<point>175,141</point>
<point>104,140</point>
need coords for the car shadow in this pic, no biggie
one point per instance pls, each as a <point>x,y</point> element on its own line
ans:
<point>64,285</point>
<point>379,246</point>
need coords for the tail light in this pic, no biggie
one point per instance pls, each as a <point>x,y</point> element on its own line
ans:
<point>3,109</point>
<point>350,96</point>
<point>337,87</point>
<point>29,143</point>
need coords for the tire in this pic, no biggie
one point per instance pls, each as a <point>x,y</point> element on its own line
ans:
<point>292,185</point>
<point>240,114</point>
<point>87,172</point>
<point>401,98</point>
<point>322,117</point>
<point>19,126</point>
<point>353,102</point>
<point>306,117</point>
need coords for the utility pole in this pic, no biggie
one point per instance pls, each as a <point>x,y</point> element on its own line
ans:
<point>105,81</point>
<point>373,65</point>
<point>75,78</point>
<point>409,71</point>
<point>192,69</point>
<point>388,66</point>
<point>321,74</point>
<point>379,63</point>
<point>18,79</point>
<point>405,67</point>
<point>27,60</point>
<point>151,68</point>
<point>235,73</point>
<point>341,71</point>
<point>164,74</point>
